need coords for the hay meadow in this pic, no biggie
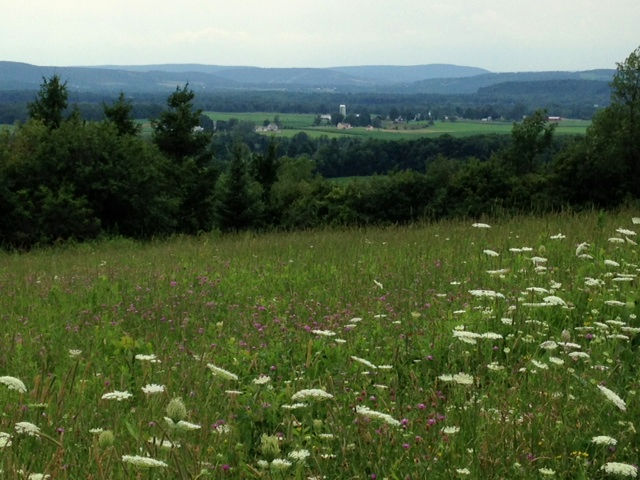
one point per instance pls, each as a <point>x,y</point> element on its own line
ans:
<point>488,349</point>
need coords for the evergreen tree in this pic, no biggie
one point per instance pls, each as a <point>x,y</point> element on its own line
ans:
<point>238,204</point>
<point>119,113</point>
<point>177,131</point>
<point>50,102</point>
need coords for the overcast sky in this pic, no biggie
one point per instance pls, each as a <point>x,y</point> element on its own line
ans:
<point>499,35</point>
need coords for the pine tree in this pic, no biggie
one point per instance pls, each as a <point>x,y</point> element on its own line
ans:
<point>50,102</point>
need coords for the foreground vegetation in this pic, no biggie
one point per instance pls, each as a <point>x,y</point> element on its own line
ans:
<point>450,350</point>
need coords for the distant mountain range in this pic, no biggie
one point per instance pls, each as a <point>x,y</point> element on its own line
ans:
<point>433,78</point>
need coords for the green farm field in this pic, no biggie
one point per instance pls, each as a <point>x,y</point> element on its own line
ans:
<point>295,123</point>
<point>448,350</point>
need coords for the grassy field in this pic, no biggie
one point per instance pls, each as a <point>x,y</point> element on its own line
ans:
<point>295,123</point>
<point>440,351</point>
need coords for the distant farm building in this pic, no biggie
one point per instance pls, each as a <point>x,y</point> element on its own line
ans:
<point>344,126</point>
<point>554,119</point>
<point>272,127</point>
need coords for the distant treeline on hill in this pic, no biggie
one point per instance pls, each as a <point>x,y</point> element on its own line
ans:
<point>565,98</point>
<point>62,177</point>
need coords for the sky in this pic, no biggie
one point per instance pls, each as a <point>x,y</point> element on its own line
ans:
<point>499,35</point>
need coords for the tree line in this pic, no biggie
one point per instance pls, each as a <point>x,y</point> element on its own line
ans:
<point>64,177</point>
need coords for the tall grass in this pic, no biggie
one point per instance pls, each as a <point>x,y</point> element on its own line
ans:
<point>455,383</point>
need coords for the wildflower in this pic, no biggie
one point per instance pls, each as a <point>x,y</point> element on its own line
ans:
<point>492,336</point>
<point>537,289</point>
<point>540,365</point>
<point>450,430</point>
<point>463,379</point>
<point>106,439</point>
<point>557,236</point>
<point>27,428</point>
<point>614,303</point>
<point>223,428</point>
<point>378,284</point>
<point>611,263</point>
<point>500,271</point>
<point>5,440</point>
<point>13,383</point>
<point>294,406</point>
<point>143,462</point>
<point>163,444</point>
<point>556,360</point>
<point>261,380</point>
<point>626,232</point>
<point>604,440</point>
<point>221,372</point>
<point>463,471</point>
<point>280,464</point>
<point>547,471</point>
<point>495,366</point>
<point>616,240</point>
<point>38,476</point>
<point>96,431</point>
<point>313,393</point>
<point>581,248</point>
<point>576,355</point>
<point>324,333</point>
<point>364,362</point>
<point>549,345</point>
<point>613,397</point>
<point>466,336</point>
<point>491,253</point>
<point>176,409</point>
<point>486,293</point>
<point>367,412</point>
<point>181,425</point>
<point>618,336</point>
<point>635,220</point>
<point>269,445</point>
<point>553,300</point>
<point>153,388</point>
<point>74,353</point>
<point>147,358</point>
<point>116,395</point>
<point>623,469</point>
<point>299,455</point>
<point>481,225</point>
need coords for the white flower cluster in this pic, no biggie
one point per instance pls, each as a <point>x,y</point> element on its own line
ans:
<point>613,397</point>
<point>144,462</point>
<point>116,395</point>
<point>221,372</point>
<point>27,428</point>
<point>367,412</point>
<point>311,393</point>
<point>364,362</point>
<point>623,469</point>
<point>13,383</point>
<point>153,388</point>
